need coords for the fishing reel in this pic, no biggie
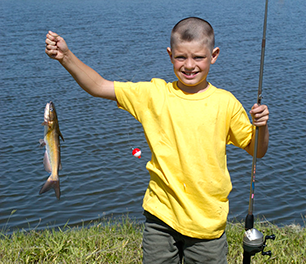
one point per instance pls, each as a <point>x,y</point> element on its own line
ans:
<point>254,242</point>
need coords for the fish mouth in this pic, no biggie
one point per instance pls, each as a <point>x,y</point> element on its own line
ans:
<point>48,111</point>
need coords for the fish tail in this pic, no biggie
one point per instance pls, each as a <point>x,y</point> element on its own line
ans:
<point>51,184</point>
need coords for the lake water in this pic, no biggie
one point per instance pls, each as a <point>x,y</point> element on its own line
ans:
<point>127,40</point>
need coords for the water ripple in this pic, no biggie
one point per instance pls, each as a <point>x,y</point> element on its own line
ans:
<point>100,176</point>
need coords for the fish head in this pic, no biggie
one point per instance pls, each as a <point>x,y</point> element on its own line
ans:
<point>50,113</point>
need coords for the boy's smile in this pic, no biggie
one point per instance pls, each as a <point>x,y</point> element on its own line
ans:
<point>191,63</point>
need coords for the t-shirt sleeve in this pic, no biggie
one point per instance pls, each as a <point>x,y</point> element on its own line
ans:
<point>136,98</point>
<point>132,97</point>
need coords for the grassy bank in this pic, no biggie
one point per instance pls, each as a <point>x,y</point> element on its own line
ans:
<point>119,241</point>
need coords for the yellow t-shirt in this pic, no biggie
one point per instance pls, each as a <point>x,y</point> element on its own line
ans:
<point>187,134</point>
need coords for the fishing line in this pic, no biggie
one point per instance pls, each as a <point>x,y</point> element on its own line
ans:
<point>136,152</point>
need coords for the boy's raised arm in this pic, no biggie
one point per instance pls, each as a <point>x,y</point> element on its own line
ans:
<point>86,77</point>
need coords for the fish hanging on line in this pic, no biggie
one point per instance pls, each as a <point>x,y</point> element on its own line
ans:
<point>52,156</point>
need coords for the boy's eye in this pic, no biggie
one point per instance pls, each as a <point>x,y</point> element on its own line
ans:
<point>180,58</point>
<point>199,58</point>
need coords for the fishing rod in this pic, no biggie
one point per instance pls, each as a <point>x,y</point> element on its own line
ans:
<point>253,240</point>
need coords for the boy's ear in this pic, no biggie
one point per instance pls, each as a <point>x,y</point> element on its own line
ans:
<point>215,54</point>
<point>170,53</point>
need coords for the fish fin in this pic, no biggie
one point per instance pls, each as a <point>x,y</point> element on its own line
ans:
<point>42,143</point>
<point>60,134</point>
<point>51,184</point>
<point>44,123</point>
<point>47,164</point>
<point>60,166</point>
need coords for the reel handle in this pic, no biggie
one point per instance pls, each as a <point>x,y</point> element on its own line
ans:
<point>267,253</point>
<point>270,237</point>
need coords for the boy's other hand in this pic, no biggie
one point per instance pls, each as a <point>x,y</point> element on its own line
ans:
<point>260,115</point>
<point>56,47</point>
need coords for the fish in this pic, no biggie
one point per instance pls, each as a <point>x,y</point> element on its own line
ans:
<point>52,156</point>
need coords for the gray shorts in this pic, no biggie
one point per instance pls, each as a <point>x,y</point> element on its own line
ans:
<point>162,244</point>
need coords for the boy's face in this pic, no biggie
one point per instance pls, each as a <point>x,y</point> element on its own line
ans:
<point>191,62</point>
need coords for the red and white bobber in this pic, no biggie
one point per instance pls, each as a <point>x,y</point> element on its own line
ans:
<point>136,153</point>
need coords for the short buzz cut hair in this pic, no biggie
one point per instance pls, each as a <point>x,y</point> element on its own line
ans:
<point>193,28</point>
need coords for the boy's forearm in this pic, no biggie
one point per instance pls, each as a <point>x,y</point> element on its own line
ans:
<point>263,142</point>
<point>87,78</point>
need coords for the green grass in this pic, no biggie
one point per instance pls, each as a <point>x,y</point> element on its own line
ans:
<point>119,241</point>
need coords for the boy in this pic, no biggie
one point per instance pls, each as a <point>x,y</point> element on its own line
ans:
<point>187,124</point>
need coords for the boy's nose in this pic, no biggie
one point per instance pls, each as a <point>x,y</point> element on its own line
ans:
<point>189,63</point>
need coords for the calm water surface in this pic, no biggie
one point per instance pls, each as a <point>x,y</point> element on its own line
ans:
<point>127,40</point>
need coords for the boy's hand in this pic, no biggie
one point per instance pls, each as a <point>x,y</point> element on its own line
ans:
<point>260,115</point>
<point>56,47</point>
